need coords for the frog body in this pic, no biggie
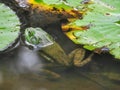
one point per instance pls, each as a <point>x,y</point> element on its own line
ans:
<point>57,54</point>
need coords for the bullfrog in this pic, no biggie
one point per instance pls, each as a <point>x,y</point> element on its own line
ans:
<point>49,49</point>
<point>52,51</point>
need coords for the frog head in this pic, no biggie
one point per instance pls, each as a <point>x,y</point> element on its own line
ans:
<point>37,38</point>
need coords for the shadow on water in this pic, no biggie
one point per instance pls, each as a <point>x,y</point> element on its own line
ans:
<point>21,69</point>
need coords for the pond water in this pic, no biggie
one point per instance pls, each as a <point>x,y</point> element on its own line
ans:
<point>21,69</point>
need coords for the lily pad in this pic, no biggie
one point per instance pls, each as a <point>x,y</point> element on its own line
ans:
<point>59,8</point>
<point>103,22</point>
<point>9,27</point>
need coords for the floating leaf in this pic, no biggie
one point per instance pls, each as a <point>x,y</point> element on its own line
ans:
<point>55,7</point>
<point>9,27</point>
<point>96,23</point>
<point>45,12</point>
<point>103,21</point>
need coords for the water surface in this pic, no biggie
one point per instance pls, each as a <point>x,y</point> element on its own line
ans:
<point>21,69</point>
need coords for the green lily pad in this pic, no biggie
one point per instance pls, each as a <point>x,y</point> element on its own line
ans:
<point>9,27</point>
<point>103,19</point>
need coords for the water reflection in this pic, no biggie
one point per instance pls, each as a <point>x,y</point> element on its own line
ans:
<point>19,71</point>
<point>27,60</point>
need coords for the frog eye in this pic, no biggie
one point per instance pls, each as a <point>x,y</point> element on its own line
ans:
<point>32,37</point>
<point>34,40</point>
<point>31,33</point>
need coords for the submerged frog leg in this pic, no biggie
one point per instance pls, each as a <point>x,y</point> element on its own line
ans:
<point>47,74</point>
<point>50,74</point>
<point>84,62</point>
<point>46,57</point>
<point>77,56</point>
<point>46,71</point>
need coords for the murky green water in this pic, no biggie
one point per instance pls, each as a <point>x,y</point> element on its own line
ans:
<point>19,70</point>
